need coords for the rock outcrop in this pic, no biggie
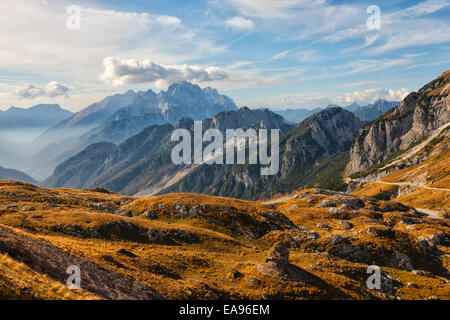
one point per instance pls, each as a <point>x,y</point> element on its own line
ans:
<point>417,116</point>
<point>277,266</point>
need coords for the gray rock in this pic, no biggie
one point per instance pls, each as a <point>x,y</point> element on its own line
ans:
<point>253,282</point>
<point>423,273</point>
<point>279,253</point>
<point>151,214</point>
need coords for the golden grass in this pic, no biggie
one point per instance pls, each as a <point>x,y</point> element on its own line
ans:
<point>440,91</point>
<point>434,172</point>
<point>18,281</point>
<point>180,271</point>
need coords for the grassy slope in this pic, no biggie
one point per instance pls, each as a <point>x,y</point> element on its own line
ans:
<point>197,269</point>
<point>18,281</point>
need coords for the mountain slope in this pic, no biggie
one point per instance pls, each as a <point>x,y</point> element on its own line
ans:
<point>315,245</point>
<point>353,107</point>
<point>415,138</point>
<point>39,116</point>
<point>118,117</point>
<point>419,177</point>
<point>11,174</point>
<point>417,116</point>
<point>180,100</point>
<point>323,138</point>
<point>372,111</point>
<point>94,113</point>
<point>144,160</point>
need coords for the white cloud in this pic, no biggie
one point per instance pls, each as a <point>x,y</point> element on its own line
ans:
<point>367,66</point>
<point>422,8</point>
<point>36,42</point>
<point>271,9</point>
<point>239,23</point>
<point>368,96</point>
<point>400,29</point>
<point>119,72</point>
<point>168,20</point>
<point>280,55</point>
<point>421,33</point>
<point>51,90</point>
<point>41,41</point>
<point>311,17</point>
<point>305,101</point>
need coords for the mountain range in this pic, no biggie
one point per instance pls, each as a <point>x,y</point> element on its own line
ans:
<point>372,111</point>
<point>313,153</point>
<point>18,129</point>
<point>365,113</point>
<point>143,162</point>
<point>39,116</point>
<point>116,118</point>
<point>122,143</point>
<point>12,174</point>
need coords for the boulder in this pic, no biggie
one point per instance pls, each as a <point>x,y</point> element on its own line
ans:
<point>277,266</point>
<point>279,253</point>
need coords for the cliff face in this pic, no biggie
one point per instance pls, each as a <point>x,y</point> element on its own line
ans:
<point>417,116</point>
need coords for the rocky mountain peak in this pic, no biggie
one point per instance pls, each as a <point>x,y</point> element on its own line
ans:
<point>333,129</point>
<point>415,118</point>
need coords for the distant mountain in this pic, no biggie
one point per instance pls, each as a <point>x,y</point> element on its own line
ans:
<point>121,116</point>
<point>62,140</point>
<point>11,174</point>
<point>87,118</point>
<point>372,111</point>
<point>143,162</point>
<point>20,126</point>
<point>315,152</point>
<point>352,107</point>
<point>181,100</point>
<point>332,106</point>
<point>297,115</point>
<point>417,117</point>
<point>39,116</point>
<point>188,100</point>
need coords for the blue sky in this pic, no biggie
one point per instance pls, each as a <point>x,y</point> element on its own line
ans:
<point>276,53</point>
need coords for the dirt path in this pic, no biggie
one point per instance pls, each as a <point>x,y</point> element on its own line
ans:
<point>398,184</point>
<point>278,200</point>
<point>431,213</point>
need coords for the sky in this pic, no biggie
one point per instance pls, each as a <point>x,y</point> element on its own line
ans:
<point>261,53</point>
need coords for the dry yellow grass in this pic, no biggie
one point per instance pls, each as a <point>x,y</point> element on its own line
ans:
<point>445,88</point>
<point>433,172</point>
<point>18,281</point>
<point>198,269</point>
